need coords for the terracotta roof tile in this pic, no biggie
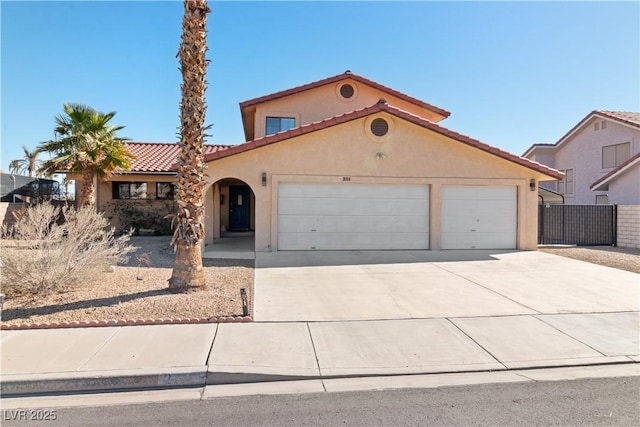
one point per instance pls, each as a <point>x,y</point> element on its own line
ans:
<point>159,157</point>
<point>354,115</point>
<point>628,117</point>
<point>339,77</point>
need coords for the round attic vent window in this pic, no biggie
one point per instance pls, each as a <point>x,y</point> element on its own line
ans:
<point>347,91</point>
<point>379,127</point>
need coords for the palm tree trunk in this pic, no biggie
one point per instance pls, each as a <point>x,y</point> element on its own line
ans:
<point>189,219</point>
<point>88,189</point>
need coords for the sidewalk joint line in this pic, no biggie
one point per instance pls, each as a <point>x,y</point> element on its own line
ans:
<point>537,316</point>
<point>215,334</point>
<point>315,353</point>
<point>488,289</point>
<point>477,343</point>
<point>119,328</point>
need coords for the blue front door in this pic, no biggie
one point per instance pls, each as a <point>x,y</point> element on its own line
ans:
<point>239,207</point>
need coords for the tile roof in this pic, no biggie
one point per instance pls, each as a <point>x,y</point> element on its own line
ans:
<point>378,107</point>
<point>602,182</point>
<point>620,116</point>
<point>160,157</point>
<point>337,78</point>
<point>626,117</point>
<point>534,146</point>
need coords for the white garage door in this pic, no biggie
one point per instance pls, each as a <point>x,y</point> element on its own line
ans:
<point>478,217</point>
<point>352,216</point>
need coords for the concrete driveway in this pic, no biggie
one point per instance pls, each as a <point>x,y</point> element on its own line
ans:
<point>354,285</point>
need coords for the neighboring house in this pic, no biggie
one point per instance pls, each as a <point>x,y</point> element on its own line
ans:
<point>599,156</point>
<point>347,163</point>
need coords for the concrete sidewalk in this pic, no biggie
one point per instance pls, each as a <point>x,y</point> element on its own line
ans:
<point>178,356</point>
<point>330,316</point>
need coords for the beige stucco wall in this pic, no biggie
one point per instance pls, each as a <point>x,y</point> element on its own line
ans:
<point>412,155</point>
<point>629,226</point>
<point>324,102</point>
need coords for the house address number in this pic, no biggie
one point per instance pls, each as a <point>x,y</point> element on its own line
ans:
<point>346,178</point>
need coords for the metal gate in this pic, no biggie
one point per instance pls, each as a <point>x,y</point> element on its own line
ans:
<point>588,225</point>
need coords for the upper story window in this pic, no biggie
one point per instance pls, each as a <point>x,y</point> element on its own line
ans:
<point>129,190</point>
<point>279,124</point>
<point>615,155</point>
<point>566,185</point>
<point>165,190</point>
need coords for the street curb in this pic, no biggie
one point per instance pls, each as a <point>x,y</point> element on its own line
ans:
<point>102,381</point>
<point>131,322</point>
<point>19,385</point>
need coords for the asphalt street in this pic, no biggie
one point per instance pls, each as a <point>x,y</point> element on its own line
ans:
<point>587,402</point>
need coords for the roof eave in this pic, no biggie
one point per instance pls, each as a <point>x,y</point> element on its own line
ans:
<point>383,106</point>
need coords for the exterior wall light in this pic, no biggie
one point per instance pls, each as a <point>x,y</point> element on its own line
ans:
<point>532,185</point>
<point>264,179</point>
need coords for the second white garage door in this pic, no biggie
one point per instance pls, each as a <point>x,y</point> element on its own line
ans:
<point>352,216</point>
<point>479,217</point>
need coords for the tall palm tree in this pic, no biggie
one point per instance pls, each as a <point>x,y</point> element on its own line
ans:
<point>27,164</point>
<point>188,220</point>
<point>86,144</point>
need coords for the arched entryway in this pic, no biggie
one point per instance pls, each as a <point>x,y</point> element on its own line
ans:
<point>230,219</point>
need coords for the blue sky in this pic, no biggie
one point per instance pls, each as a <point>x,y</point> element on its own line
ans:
<point>510,73</point>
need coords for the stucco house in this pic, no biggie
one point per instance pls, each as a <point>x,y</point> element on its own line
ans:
<point>347,163</point>
<point>600,157</point>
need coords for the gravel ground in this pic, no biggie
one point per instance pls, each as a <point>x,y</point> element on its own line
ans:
<point>621,258</point>
<point>140,293</point>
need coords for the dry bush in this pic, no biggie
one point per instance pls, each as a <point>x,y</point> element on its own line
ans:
<point>50,248</point>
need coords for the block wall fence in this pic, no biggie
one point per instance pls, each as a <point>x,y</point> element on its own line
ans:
<point>629,226</point>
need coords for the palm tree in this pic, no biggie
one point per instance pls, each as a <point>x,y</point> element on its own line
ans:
<point>86,144</point>
<point>188,220</point>
<point>27,164</point>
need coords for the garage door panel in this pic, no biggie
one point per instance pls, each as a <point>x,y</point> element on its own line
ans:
<point>350,206</point>
<point>358,224</point>
<point>352,241</point>
<point>477,193</point>
<point>479,217</point>
<point>352,216</point>
<point>290,190</point>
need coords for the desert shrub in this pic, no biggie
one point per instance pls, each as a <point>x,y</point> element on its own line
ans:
<point>51,248</point>
<point>144,214</point>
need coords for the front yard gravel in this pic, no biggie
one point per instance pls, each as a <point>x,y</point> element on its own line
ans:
<point>140,293</point>
<point>621,258</point>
